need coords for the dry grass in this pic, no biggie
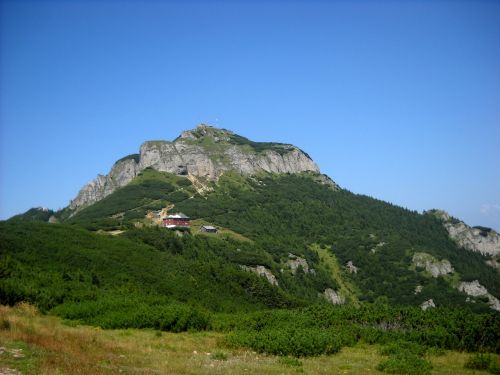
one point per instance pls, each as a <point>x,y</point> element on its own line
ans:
<point>58,349</point>
<point>52,348</point>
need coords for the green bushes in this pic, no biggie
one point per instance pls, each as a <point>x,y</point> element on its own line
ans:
<point>323,329</point>
<point>137,313</point>
<point>298,342</point>
<point>405,363</point>
<point>400,346</point>
<point>483,361</point>
<point>408,333</point>
<point>494,368</point>
<point>479,361</point>
<point>405,357</point>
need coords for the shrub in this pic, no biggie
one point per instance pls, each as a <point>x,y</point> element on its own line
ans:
<point>290,361</point>
<point>4,324</point>
<point>402,347</point>
<point>494,368</point>
<point>479,361</point>
<point>298,342</point>
<point>219,356</point>
<point>406,363</point>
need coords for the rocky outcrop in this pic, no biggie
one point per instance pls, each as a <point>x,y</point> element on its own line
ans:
<point>483,240</point>
<point>294,262</point>
<point>333,297</point>
<point>486,242</point>
<point>53,220</point>
<point>427,304</point>
<point>432,265</point>
<point>377,247</point>
<point>124,171</point>
<point>202,152</point>
<point>493,263</point>
<point>475,289</point>
<point>262,271</point>
<point>351,267</point>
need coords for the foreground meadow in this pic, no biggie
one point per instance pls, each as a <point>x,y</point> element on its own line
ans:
<point>32,343</point>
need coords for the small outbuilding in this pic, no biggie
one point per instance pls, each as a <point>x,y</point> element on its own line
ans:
<point>208,229</point>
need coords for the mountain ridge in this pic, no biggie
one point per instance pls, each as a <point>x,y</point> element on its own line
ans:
<point>205,152</point>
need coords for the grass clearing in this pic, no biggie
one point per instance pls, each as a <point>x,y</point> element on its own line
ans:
<point>51,347</point>
<point>329,259</point>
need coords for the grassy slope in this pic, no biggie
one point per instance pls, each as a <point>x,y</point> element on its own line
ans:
<point>50,347</point>
<point>346,288</point>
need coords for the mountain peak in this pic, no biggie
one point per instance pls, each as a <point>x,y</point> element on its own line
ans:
<point>204,151</point>
<point>204,130</point>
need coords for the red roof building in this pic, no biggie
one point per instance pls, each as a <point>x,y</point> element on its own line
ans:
<point>177,221</point>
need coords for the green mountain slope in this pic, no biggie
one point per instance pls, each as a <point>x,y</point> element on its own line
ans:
<point>291,213</point>
<point>285,239</point>
<point>91,275</point>
<point>284,216</point>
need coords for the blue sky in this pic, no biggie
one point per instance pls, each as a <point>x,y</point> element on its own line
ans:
<point>399,100</point>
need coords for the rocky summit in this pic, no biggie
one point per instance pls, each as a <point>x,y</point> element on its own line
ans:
<point>206,152</point>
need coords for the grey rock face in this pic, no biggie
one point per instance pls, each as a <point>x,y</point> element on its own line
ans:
<point>432,265</point>
<point>475,289</point>
<point>333,297</point>
<point>487,243</point>
<point>202,152</point>
<point>120,175</point>
<point>262,271</point>
<point>294,262</point>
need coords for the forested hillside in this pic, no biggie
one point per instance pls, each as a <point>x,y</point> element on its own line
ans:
<point>291,213</point>
<point>363,248</point>
<point>288,246</point>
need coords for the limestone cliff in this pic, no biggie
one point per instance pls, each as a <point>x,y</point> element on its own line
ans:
<point>483,240</point>
<point>435,267</point>
<point>475,289</point>
<point>202,152</point>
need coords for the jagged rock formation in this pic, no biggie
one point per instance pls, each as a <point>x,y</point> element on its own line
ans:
<point>475,239</point>
<point>475,289</point>
<point>203,152</point>
<point>122,172</point>
<point>483,240</point>
<point>432,265</point>
<point>333,297</point>
<point>262,271</point>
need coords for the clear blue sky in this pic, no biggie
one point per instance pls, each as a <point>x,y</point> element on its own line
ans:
<point>399,100</point>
